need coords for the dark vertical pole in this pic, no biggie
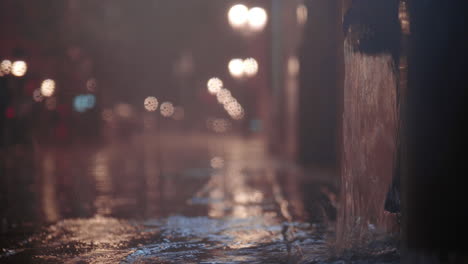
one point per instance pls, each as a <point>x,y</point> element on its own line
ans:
<point>435,132</point>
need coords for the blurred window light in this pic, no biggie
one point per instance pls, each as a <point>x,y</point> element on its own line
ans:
<point>19,68</point>
<point>250,66</point>
<point>5,66</point>
<point>236,67</point>
<point>48,87</point>
<point>167,109</point>
<point>214,85</point>
<point>151,103</point>
<point>301,14</point>
<point>238,15</point>
<point>257,18</point>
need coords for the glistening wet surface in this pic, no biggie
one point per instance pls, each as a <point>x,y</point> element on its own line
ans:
<point>171,199</point>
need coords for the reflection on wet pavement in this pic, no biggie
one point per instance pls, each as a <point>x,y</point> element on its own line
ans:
<point>163,201</point>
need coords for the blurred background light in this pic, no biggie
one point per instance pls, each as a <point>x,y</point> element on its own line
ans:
<point>83,102</point>
<point>293,66</point>
<point>223,96</point>
<point>214,85</point>
<point>236,67</point>
<point>151,103</point>
<point>238,15</point>
<point>257,18</point>
<point>19,68</point>
<point>37,96</point>
<point>250,66</point>
<point>217,162</point>
<point>91,85</point>
<point>301,14</point>
<point>48,87</point>
<point>167,109</point>
<point>5,67</point>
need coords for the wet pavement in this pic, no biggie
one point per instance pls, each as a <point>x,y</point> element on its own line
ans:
<point>164,199</point>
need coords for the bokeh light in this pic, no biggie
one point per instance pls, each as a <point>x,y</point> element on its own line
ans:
<point>236,67</point>
<point>214,85</point>
<point>167,109</point>
<point>257,18</point>
<point>151,103</point>
<point>5,66</point>
<point>83,102</point>
<point>293,66</point>
<point>37,96</point>
<point>250,66</point>
<point>48,87</point>
<point>238,15</point>
<point>223,96</point>
<point>19,68</point>
<point>91,84</point>
<point>301,14</point>
<point>217,162</point>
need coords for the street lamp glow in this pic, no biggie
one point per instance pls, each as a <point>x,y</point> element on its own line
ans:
<point>236,67</point>
<point>214,85</point>
<point>238,15</point>
<point>257,18</point>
